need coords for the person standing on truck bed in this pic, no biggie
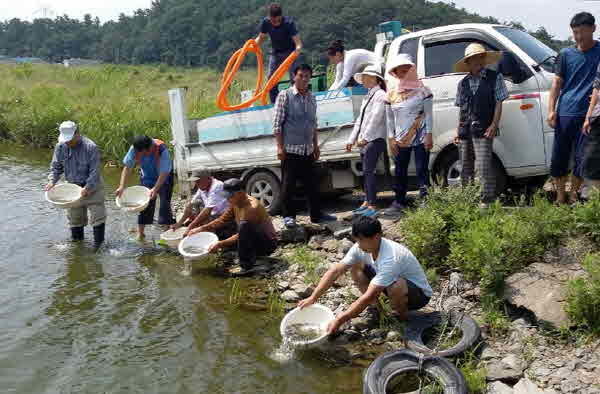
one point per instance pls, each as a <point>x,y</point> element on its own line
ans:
<point>572,86</point>
<point>348,63</point>
<point>152,156</point>
<point>409,124</point>
<point>480,95</point>
<point>284,40</point>
<point>78,158</point>
<point>256,235</point>
<point>295,129</point>
<point>369,133</point>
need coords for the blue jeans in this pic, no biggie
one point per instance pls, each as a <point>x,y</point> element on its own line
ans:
<point>370,157</point>
<point>402,161</point>
<point>568,136</point>
<point>275,60</point>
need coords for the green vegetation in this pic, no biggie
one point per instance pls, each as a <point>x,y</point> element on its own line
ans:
<point>308,261</point>
<point>474,373</point>
<point>111,103</point>
<point>583,300</point>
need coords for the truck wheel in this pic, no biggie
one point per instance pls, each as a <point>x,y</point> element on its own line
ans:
<point>266,188</point>
<point>448,171</point>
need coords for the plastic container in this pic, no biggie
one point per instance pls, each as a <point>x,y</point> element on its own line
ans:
<point>64,195</point>
<point>134,199</point>
<point>173,238</point>
<point>316,314</point>
<point>200,242</point>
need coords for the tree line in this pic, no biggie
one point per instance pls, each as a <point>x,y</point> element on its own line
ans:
<point>207,32</point>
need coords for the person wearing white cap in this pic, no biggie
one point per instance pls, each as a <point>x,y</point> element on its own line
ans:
<point>369,133</point>
<point>480,95</point>
<point>409,122</point>
<point>78,158</point>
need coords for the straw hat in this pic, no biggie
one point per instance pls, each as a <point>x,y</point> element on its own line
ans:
<point>401,59</point>
<point>373,69</point>
<point>475,49</point>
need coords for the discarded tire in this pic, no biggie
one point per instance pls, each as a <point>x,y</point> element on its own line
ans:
<point>419,322</point>
<point>382,371</point>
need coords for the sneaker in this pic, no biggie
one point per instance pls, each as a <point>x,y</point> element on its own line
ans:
<point>371,213</point>
<point>360,209</point>
<point>324,218</point>
<point>395,209</point>
<point>289,222</point>
<point>484,205</point>
<point>239,271</point>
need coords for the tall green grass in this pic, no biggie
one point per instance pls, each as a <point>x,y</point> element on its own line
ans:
<point>112,103</point>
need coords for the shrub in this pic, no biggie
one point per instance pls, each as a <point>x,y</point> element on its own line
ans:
<point>583,297</point>
<point>587,216</point>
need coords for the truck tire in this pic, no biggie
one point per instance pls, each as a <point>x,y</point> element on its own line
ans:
<point>419,322</point>
<point>265,187</point>
<point>380,373</point>
<point>448,169</point>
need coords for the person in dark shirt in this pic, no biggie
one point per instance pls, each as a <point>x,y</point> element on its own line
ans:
<point>284,40</point>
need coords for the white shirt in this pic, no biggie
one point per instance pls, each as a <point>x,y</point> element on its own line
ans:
<point>393,262</point>
<point>374,119</point>
<point>353,61</point>
<point>213,198</point>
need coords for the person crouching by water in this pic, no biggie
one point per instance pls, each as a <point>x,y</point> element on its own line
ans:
<point>369,133</point>
<point>409,123</point>
<point>78,158</point>
<point>152,156</point>
<point>207,205</point>
<point>256,235</point>
<point>378,265</point>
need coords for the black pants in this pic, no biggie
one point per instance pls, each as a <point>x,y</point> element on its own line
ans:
<point>300,168</point>
<point>165,213</point>
<point>253,243</point>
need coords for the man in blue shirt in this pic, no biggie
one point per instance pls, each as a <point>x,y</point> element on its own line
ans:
<point>284,40</point>
<point>152,156</point>
<point>572,87</point>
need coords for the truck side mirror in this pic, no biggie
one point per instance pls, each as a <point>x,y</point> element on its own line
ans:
<point>510,68</point>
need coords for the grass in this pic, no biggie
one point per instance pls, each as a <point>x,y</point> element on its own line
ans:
<point>112,103</point>
<point>308,261</point>
<point>583,299</point>
<point>474,372</point>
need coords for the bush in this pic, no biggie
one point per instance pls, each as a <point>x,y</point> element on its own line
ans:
<point>583,299</point>
<point>587,216</point>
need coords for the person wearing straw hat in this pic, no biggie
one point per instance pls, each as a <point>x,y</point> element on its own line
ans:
<point>409,122</point>
<point>369,133</point>
<point>78,158</point>
<point>480,95</point>
<point>152,156</point>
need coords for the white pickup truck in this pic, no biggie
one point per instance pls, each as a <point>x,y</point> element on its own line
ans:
<point>241,143</point>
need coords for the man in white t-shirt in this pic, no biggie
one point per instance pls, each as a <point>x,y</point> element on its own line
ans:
<point>378,265</point>
<point>207,204</point>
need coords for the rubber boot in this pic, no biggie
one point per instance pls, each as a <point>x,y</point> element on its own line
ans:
<point>99,235</point>
<point>77,233</point>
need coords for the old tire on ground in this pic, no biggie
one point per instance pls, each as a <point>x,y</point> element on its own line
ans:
<point>447,171</point>
<point>419,322</point>
<point>265,187</point>
<point>381,372</point>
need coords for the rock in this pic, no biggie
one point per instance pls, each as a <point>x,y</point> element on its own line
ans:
<point>342,233</point>
<point>331,245</point>
<point>514,362</point>
<point>455,284</point>
<point>344,246</point>
<point>392,336</point>
<point>453,303</point>
<point>321,269</point>
<point>302,290</point>
<point>499,388</point>
<point>526,386</point>
<point>290,296</point>
<point>489,353</point>
<point>352,335</point>
<point>360,323</point>
<point>339,257</point>
<point>378,333</point>
<point>295,234</point>
<point>539,290</point>
<point>570,386</point>
<point>510,368</point>
<point>283,285</point>
<point>316,242</point>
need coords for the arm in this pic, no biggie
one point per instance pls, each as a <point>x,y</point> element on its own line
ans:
<point>161,180</point>
<point>339,70</point>
<point>554,93</point>
<point>56,168</point>
<point>278,119</point>
<point>346,75</point>
<point>325,283</point>
<point>202,216</point>
<point>368,298</point>
<point>428,109</point>
<point>94,176</point>
<point>216,224</point>
<point>260,38</point>
<point>165,168</point>
<point>593,101</point>
<point>316,149</point>
<point>298,42</point>
<point>124,175</point>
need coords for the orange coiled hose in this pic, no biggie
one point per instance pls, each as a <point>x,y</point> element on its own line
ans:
<point>232,68</point>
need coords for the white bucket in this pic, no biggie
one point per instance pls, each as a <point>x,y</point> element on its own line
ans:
<point>134,199</point>
<point>201,242</point>
<point>316,314</point>
<point>64,195</point>
<point>173,238</point>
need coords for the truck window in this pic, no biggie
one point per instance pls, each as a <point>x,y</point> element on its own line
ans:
<point>410,47</point>
<point>537,50</point>
<point>440,57</point>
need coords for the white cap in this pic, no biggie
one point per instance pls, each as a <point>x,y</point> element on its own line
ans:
<point>401,59</point>
<point>67,131</point>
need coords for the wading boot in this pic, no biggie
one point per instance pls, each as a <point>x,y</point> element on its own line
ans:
<point>77,233</point>
<point>99,235</point>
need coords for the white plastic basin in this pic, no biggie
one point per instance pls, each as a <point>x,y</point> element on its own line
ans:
<point>200,242</point>
<point>316,314</point>
<point>134,199</point>
<point>64,195</point>
<point>173,238</point>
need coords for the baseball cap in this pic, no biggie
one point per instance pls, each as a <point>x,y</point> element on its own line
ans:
<point>197,174</point>
<point>232,186</point>
<point>67,131</point>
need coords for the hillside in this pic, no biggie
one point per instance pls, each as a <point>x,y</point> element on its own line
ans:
<point>206,32</point>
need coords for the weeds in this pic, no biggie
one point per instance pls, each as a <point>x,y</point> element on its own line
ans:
<point>308,261</point>
<point>474,373</point>
<point>583,299</point>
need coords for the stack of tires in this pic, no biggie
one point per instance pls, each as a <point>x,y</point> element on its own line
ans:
<point>421,360</point>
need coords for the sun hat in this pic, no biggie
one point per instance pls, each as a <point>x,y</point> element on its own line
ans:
<point>401,59</point>
<point>197,174</point>
<point>475,49</point>
<point>67,131</point>
<point>232,186</point>
<point>373,69</point>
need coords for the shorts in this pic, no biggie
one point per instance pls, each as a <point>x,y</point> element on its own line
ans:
<point>416,298</point>
<point>92,205</point>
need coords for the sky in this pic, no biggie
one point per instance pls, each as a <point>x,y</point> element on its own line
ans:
<point>552,14</point>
